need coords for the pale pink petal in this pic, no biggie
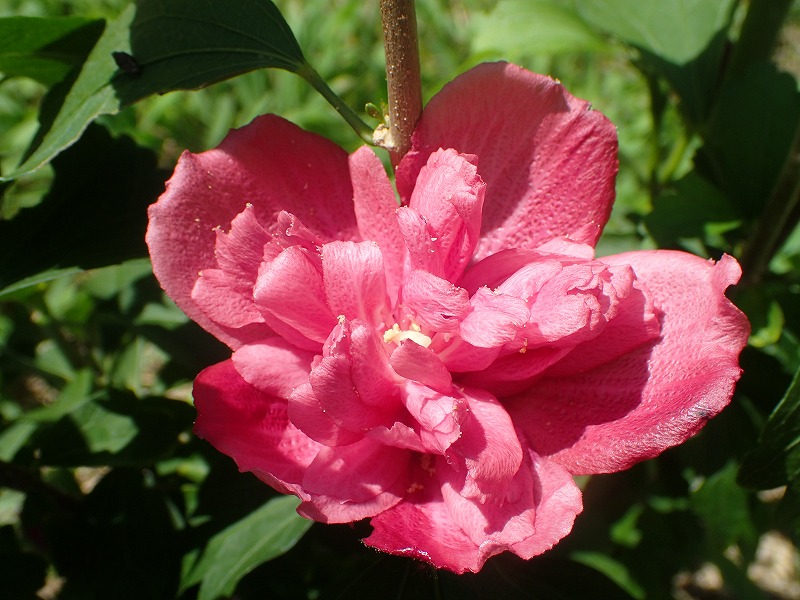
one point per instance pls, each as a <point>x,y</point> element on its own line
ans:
<point>354,482</point>
<point>375,207</point>
<point>251,427</point>
<point>355,285</point>
<point>449,197</point>
<point>657,395</point>
<point>548,160</point>
<point>290,291</point>
<point>271,164</point>
<point>435,303</point>
<point>273,366</point>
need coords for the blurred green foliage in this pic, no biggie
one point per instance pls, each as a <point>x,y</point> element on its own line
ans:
<point>104,491</point>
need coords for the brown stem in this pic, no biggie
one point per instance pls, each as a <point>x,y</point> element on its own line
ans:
<point>402,74</point>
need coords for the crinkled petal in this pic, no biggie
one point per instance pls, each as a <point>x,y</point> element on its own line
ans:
<point>548,160</point>
<point>657,395</point>
<point>273,366</point>
<point>448,196</point>
<point>252,427</point>
<point>414,362</point>
<point>307,415</point>
<point>495,320</point>
<point>375,206</point>
<point>290,292</point>
<point>435,302</point>
<point>357,481</point>
<point>355,285</point>
<point>271,164</point>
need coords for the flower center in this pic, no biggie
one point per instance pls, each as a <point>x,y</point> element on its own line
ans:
<point>397,335</point>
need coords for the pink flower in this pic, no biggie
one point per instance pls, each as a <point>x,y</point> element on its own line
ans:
<point>446,366</point>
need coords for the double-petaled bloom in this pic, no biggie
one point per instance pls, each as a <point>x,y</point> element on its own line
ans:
<point>443,365</point>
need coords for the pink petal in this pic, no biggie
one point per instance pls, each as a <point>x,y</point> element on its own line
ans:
<point>291,295</point>
<point>273,366</point>
<point>438,416</point>
<point>353,482</point>
<point>448,195</point>
<point>549,162</point>
<point>355,285</point>
<point>657,395</point>
<point>307,415</point>
<point>271,164</point>
<point>220,297</point>
<point>435,303</point>
<point>495,320</point>
<point>376,207</point>
<point>412,361</point>
<point>251,427</point>
<point>488,447</point>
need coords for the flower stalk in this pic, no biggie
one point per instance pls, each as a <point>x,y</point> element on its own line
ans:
<point>402,75</point>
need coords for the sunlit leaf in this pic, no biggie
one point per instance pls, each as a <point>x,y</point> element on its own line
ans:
<point>141,53</point>
<point>45,49</point>
<point>231,554</point>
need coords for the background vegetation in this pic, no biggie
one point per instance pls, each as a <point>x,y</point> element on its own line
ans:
<point>105,492</point>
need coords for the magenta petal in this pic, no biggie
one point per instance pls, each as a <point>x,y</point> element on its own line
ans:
<point>272,164</point>
<point>251,427</point>
<point>355,285</point>
<point>496,319</point>
<point>217,294</point>
<point>290,291</point>
<point>376,207</point>
<point>354,482</point>
<point>549,162</point>
<point>273,366</point>
<point>657,395</point>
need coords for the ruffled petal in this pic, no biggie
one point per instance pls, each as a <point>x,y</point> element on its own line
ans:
<point>659,394</point>
<point>355,285</point>
<point>435,303</point>
<point>252,427</point>
<point>549,162</point>
<point>291,295</point>
<point>273,366</point>
<point>271,164</point>
<point>448,197</point>
<point>375,206</point>
<point>357,481</point>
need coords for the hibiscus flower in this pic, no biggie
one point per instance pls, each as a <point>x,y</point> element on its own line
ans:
<point>443,365</point>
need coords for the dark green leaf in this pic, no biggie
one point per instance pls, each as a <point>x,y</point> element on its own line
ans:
<point>45,49</point>
<point>162,46</point>
<point>688,210</point>
<point>776,459</point>
<point>231,554</point>
<point>95,215</point>
<point>750,135</point>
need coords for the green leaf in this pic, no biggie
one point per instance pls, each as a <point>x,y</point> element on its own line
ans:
<point>776,459</point>
<point>514,27</point>
<point>235,551</point>
<point>95,214</point>
<point>159,46</point>
<point>45,49</point>
<point>675,30</point>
